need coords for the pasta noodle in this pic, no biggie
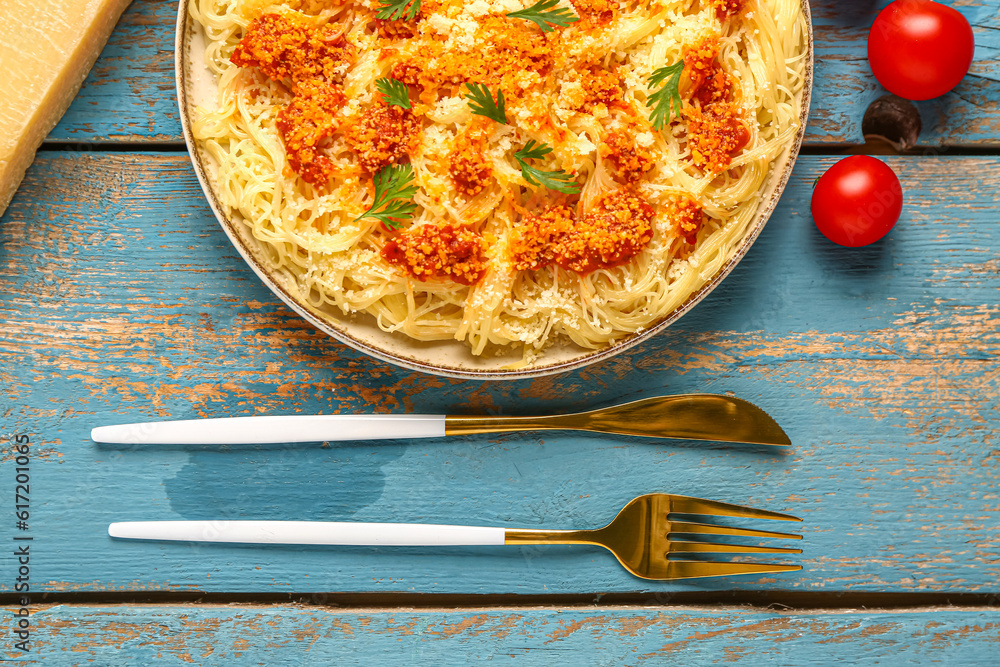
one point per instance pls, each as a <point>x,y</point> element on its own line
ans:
<point>658,212</point>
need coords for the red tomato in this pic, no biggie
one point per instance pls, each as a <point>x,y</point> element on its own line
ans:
<point>857,201</point>
<point>920,49</point>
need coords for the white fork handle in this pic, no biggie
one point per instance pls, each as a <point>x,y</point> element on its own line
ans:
<point>309,532</point>
<point>263,430</point>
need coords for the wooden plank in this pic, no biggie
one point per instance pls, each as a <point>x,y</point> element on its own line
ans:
<point>123,301</point>
<point>182,635</point>
<point>130,93</point>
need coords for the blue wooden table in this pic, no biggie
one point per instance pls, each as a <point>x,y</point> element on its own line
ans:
<point>122,300</point>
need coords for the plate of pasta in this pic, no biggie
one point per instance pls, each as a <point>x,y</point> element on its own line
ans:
<point>493,188</point>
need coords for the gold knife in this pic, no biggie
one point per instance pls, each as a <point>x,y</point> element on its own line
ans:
<point>684,416</point>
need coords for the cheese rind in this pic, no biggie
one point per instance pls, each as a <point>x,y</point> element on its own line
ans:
<point>47,47</point>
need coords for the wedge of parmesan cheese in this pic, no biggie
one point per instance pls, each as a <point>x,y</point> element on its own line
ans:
<point>46,49</point>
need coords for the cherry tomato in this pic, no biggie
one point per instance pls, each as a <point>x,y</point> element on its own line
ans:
<point>919,49</point>
<point>857,201</point>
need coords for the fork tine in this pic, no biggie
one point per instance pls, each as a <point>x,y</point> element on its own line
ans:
<point>689,505</point>
<point>710,548</point>
<point>709,529</point>
<point>688,569</point>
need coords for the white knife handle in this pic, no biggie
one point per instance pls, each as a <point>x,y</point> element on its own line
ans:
<point>309,532</point>
<point>264,430</point>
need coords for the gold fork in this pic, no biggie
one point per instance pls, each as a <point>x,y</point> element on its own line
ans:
<point>642,537</point>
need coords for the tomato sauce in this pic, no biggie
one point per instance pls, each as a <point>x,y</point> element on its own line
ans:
<point>435,251</point>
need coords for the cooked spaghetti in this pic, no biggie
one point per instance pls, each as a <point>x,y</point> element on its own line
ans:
<point>590,206</point>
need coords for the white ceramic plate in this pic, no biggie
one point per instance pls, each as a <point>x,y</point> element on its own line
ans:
<point>196,87</point>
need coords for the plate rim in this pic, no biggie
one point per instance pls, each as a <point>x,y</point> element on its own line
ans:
<point>762,215</point>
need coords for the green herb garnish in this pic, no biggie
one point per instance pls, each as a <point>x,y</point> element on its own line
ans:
<point>394,91</point>
<point>481,102</point>
<point>667,100</point>
<point>544,16</point>
<point>393,194</point>
<point>553,180</point>
<point>393,10</point>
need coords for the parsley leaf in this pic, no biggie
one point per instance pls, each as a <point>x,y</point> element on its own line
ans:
<point>393,10</point>
<point>393,191</point>
<point>394,91</point>
<point>667,100</point>
<point>481,102</point>
<point>559,181</point>
<point>542,14</point>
